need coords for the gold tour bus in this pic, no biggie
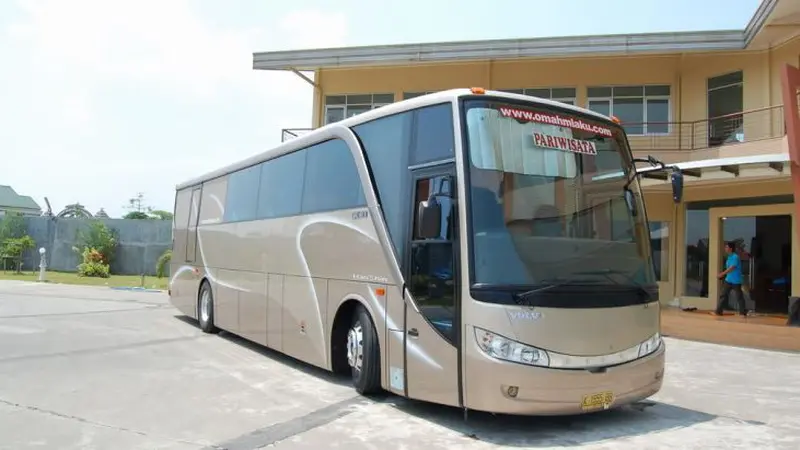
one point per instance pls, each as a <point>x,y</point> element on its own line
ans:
<point>479,249</point>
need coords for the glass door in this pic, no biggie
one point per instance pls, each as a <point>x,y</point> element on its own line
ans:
<point>762,238</point>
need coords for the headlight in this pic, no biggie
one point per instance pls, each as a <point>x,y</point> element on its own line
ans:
<point>650,345</point>
<point>502,348</point>
<point>506,349</point>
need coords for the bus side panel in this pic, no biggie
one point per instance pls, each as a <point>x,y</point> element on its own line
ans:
<point>226,300</point>
<point>303,319</point>
<point>182,278</point>
<point>395,365</point>
<point>342,246</point>
<point>275,311</point>
<point>253,307</point>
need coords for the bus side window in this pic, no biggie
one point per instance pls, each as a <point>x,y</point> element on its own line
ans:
<point>432,264</point>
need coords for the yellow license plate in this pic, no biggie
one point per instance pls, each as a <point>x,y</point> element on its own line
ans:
<point>600,400</point>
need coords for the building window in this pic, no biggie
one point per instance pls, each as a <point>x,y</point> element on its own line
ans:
<point>409,95</point>
<point>340,107</point>
<point>725,105</point>
<point>563,95</point>
<point>642,109</point>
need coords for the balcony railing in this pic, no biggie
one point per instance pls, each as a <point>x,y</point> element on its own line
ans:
<point>746,126</point>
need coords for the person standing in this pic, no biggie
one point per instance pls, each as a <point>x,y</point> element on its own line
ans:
<point>732,276</point>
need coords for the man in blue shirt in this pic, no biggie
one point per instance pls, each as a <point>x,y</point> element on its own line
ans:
<point>732,276</point>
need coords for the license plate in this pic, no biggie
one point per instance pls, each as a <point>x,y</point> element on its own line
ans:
<point>600,400</point>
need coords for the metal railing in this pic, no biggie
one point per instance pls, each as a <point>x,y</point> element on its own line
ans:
<point>746,126</point>
<point>291,133</point>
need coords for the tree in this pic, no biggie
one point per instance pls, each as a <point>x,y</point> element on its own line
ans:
<point>136,215</point>
<point>15,248</point>
<point>136,204</point>
<point>12,226</point>
<point>138,210</point>
<point>160,214</point>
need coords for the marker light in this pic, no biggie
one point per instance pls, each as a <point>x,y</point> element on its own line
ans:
<point>478,90</point>
<point>650,345</point>
<point>616,120</point>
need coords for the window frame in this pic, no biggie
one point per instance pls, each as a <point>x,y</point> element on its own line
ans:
<point>414,94</point>
<point>346,105</point>
<point>644,97</point>
<point>528,91</point>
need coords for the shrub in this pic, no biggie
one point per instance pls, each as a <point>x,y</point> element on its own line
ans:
<point>99,237</point>
<point>163,263</point>
<point>93,264</point>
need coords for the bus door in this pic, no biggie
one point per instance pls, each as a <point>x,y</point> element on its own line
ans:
<point>432,334</point>
<point>191,229</point>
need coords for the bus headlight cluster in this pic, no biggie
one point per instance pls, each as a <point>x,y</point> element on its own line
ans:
<point>507,349</point>
<point>503,348</point>
<point>650,345</point>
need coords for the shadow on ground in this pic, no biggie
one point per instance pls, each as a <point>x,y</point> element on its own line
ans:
<point>528,431</point>
<point>515,431</point>
<point>276,356</point>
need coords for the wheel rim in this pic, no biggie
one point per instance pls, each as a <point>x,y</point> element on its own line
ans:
<point>355,347</point>
<point>205,305</point>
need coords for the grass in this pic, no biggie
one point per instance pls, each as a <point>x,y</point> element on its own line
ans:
<point>73,278</point>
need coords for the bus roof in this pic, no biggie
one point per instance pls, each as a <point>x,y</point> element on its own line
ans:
<point>387,110</point>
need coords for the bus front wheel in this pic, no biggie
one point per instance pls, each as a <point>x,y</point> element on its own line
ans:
<point>363,354</point>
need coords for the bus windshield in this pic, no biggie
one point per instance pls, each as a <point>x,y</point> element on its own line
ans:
<point>547,202</point>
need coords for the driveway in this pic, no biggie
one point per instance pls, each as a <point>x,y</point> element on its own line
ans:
<point>96,368</point>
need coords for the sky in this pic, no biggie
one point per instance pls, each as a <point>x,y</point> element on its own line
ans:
<point>103,99</point>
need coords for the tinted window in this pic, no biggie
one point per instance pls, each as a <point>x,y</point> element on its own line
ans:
<point>434,134</point>
<point>282,185</point>
<point>331,179</point>
<point>386,143</point>
<point>432,263</point>
<point>241,199</point>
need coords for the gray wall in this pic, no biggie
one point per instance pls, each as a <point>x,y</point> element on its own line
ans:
<point>141,242</point>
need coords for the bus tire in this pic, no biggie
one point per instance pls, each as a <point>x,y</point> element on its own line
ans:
<point>205,308</point>
<point>363,353</point>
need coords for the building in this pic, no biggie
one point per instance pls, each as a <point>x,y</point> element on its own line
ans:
<point>711,101</point>
<point>10,201</point>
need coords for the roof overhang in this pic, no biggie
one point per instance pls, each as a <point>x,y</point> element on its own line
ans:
<point>465,51</point>
<point>721,169</point>
<point>776,15</point>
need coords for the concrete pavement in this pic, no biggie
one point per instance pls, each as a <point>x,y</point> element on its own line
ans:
<point>95,368</point>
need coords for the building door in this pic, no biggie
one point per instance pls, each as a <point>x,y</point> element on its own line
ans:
<point>432,323</point>
<point>763,237</point>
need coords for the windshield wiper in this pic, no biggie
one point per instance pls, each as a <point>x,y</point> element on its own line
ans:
<point>608,272</point>
<point>521,298</point>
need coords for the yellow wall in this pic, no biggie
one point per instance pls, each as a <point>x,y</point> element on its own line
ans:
<point>687,75</point>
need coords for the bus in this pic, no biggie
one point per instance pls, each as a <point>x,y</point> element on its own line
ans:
<point>478,249</point>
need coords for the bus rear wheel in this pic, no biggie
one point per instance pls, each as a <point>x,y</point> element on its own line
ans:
<point>363,354</point>
<point>205,308</point>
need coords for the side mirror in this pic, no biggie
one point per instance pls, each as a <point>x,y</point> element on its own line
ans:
<point>429,218</point>
<point>676,178</point>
